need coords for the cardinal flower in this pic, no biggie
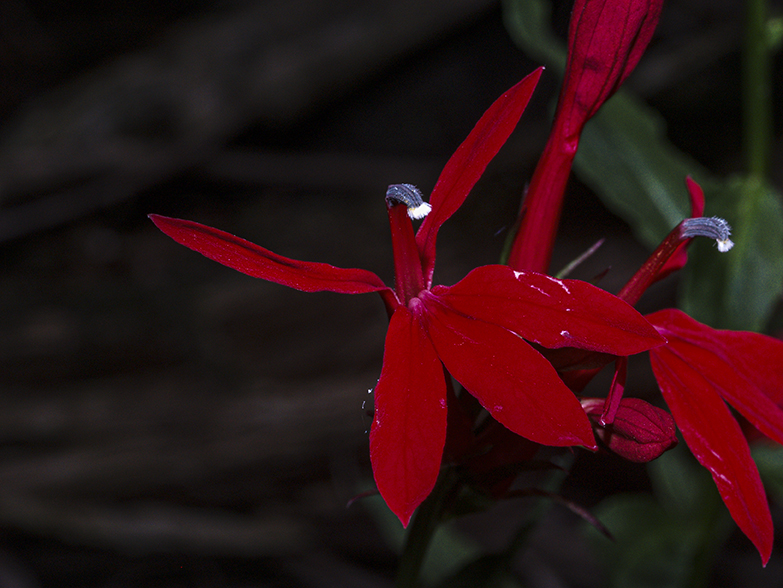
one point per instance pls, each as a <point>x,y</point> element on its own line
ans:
<point>699,370</point>
<point>477,329</point>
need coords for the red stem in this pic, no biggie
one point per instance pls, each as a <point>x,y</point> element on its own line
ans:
<point>533,244</point>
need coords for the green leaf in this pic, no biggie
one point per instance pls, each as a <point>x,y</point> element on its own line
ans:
<point>528,22</point>
<point>738,290</point>
<point>652,548</point>
<point>625,158</point>
<point>679,482</point>
<point>669,541</point>
<point>489,571</point>
<point>769,459</point>
<point>449,551</point>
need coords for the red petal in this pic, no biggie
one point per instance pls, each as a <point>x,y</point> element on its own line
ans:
<point>551,312</point>
<point>509,378</point>
<point>716,440</point>
<point>258,262</point>
<point>459,428</point>
<point>469,161</point>
<point>409,429</point>
<point>616,390</point>
<point>697,197</point>
<point>746,369</point>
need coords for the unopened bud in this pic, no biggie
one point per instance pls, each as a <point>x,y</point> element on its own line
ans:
<point>640,432</point>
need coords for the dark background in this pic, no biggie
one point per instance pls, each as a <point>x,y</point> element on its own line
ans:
<point>166,421</point>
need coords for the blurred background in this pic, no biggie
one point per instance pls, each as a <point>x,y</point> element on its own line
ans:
<point>166,421</point>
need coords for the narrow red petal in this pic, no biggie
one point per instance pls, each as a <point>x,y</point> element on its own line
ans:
<point>696,195</point>
<point>616,390</point>
<point>258,262</point>
<point>716,440</point>
<point>759,358</point>
<point>409,429</point>
<point>469,161</point>
<point>551,312</point>
<point>745,368</point>
<point>519,388</point>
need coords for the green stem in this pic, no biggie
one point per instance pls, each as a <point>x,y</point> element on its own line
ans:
<point>715,531</point>
<point>543,505</point>
<point>757,103</point>
<point>422,529</point>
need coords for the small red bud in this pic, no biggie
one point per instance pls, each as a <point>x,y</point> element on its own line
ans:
<point>640,432</point>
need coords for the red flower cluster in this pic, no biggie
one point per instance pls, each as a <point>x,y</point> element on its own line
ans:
<point>699,367</point>
<point>477,329</point>
<point>522,342</point>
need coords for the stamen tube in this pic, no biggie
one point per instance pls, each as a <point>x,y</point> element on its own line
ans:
<point>410,196</point>
<point>712,227</point>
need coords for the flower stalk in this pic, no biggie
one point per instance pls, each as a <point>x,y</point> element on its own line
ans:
<point>757,90</point>
<point>422,529</point>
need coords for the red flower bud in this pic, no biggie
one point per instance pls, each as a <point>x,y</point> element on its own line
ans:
<point>640,432</point>
<point>606,39</point>
<point>605,42</point>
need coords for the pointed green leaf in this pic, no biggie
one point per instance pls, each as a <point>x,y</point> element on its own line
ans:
<point>529,24</point>
<point>652,547</point>
<point>769,459</point>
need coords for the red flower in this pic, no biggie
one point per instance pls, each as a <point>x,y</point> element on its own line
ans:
<point>476,328</point>
<point>700,367</point>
